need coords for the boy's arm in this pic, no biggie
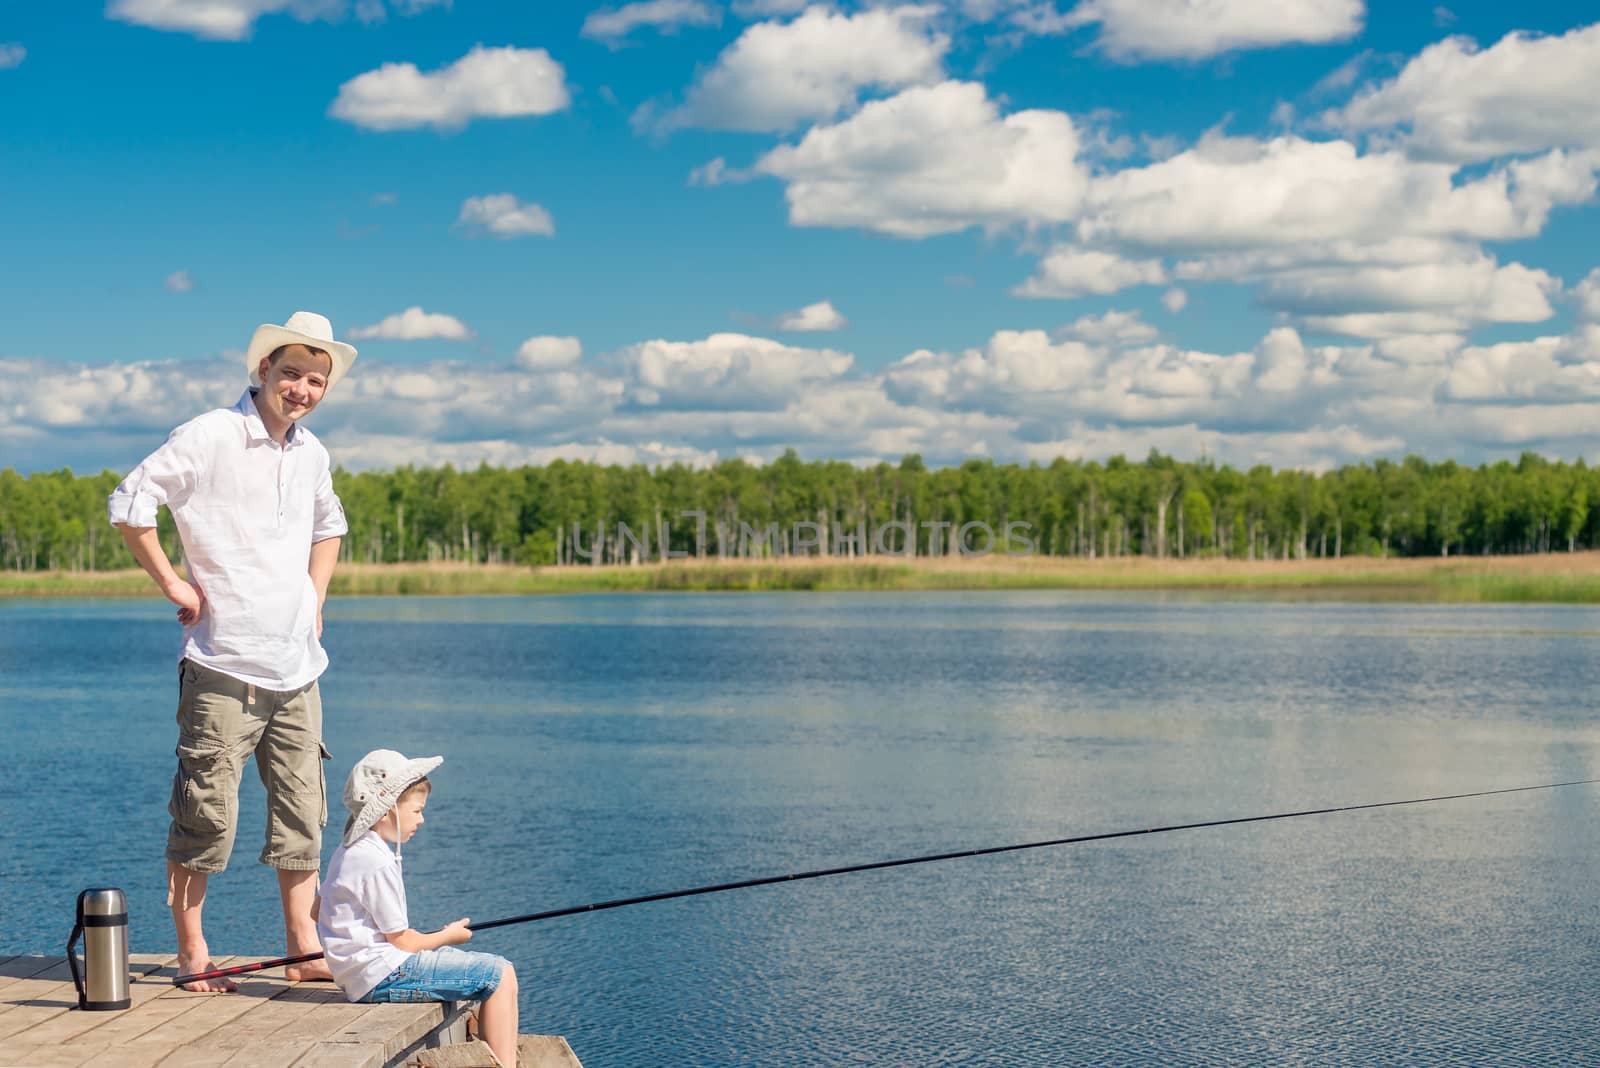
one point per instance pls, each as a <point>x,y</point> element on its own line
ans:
<point>413,941</point>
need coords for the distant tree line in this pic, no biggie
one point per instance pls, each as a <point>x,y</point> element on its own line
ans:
<point>580,513</point>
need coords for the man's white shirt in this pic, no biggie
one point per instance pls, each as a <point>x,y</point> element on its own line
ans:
<point>248,511</point>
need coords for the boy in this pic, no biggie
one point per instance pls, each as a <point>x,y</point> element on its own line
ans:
<point>371,948</point>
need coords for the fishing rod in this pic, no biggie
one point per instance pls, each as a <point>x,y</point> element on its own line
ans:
<point>768,880</point>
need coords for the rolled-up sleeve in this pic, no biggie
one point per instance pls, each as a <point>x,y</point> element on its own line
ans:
<point>167,476</point>
<point>328,518</point>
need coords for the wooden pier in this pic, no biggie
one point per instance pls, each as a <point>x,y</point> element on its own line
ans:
<point>268,1023</point>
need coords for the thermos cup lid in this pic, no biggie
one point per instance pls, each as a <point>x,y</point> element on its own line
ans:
<point>102,901</point>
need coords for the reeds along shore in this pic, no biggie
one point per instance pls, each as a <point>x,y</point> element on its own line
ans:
<point>1571,578</point>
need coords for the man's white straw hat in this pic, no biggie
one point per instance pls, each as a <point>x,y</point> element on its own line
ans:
<point>303,328</point>
<point>375,785</point>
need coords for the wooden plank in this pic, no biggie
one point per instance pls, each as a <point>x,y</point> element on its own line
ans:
<point>51,1055</point>
<point>343,1055</point>
<point>20,968</point>
<point>269,1006</point>
<point>214,1032</point>
<point>84,1027</point>
<point>474,1054</point>
<point>269,1054</point>
<point>334,1033</point>
<point>186,1018</point>
<point>331,1019</point>
<point>268,1023</point>
<point>80,1056</point>
<point>39,1000</point>
<point>53,981</point>
<point>397,1025</point>
<point>180,1021</point>
<point>545,1051</point>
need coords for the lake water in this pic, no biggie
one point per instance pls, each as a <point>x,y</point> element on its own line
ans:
<point>602,747</point>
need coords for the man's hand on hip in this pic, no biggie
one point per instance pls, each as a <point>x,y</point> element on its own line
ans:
<point>190,600</point>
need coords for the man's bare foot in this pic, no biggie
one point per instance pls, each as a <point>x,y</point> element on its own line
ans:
<point>315,971</point>
<point>201,962</point>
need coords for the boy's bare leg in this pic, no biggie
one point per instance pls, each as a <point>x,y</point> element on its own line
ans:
<point>298,889</point>
<point>187,893</point>
<point>497,1023</point>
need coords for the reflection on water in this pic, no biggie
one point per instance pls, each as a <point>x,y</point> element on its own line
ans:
<point>599,747</point>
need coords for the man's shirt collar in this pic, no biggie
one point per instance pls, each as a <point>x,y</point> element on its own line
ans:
<point>256,429</point>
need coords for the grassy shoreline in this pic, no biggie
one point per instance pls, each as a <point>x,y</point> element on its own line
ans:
<point>1563,578</point>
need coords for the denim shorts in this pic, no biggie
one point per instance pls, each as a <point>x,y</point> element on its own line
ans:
<point>444,974</point>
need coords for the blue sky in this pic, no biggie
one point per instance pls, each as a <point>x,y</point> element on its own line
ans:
<point>688,230</point>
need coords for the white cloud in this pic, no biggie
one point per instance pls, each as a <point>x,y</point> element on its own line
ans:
<point>485,83</point>
<point>760,9</point>
<point>611,25</point>
<point>1587,293</point>
<point>1464,291</point>
<point>813,317</point>
<point>1234,193</point>
<point>1073,272</point>
<point>1174,300</point>
<point>233,20</point>
<point>713,172</point>
<point>546,353</point>
<point>224,20</point>
<point>365,452</point>
<point>503,215</point>
<point>1110,328</point>
<point>1524,94</point>
<point>1196,29</point>
<point>82,399</point>
<point>1316,449</point>
<point>1284,367</point>
<point>931,160</point>
<point>1550,369</point>
<point>776,75</point>
<point>1345,74</point>
<point>938,159</point>
<point>179,282</point>
<point>726,371</point>
<point>12,55</point>
<point>1419,348</point>
<point>371,12</point>
<point>1100,386</point>
<point>414,324</point>
<point>1024,372</point>
<point>1372,245</point>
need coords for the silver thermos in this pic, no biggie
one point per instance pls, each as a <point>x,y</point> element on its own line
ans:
<point>103,922</point>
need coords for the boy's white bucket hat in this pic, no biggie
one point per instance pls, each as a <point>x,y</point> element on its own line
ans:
<point>303,328</point>
<point>375,785</point>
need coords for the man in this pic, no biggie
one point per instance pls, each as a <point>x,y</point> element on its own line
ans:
<point>251,492</point>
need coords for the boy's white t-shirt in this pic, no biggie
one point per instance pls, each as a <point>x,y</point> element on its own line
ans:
<point>363,897</point>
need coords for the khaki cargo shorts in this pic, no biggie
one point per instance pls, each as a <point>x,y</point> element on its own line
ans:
<point>222,722</point>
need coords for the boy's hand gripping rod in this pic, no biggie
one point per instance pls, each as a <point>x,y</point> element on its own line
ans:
<point>533,917</point>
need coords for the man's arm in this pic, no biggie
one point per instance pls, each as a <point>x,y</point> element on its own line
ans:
<point>145,546</point>
<point>413,941</point>
<point>324,556</point>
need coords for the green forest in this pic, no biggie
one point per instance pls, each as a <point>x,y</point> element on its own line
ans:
<point>584,513</point>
